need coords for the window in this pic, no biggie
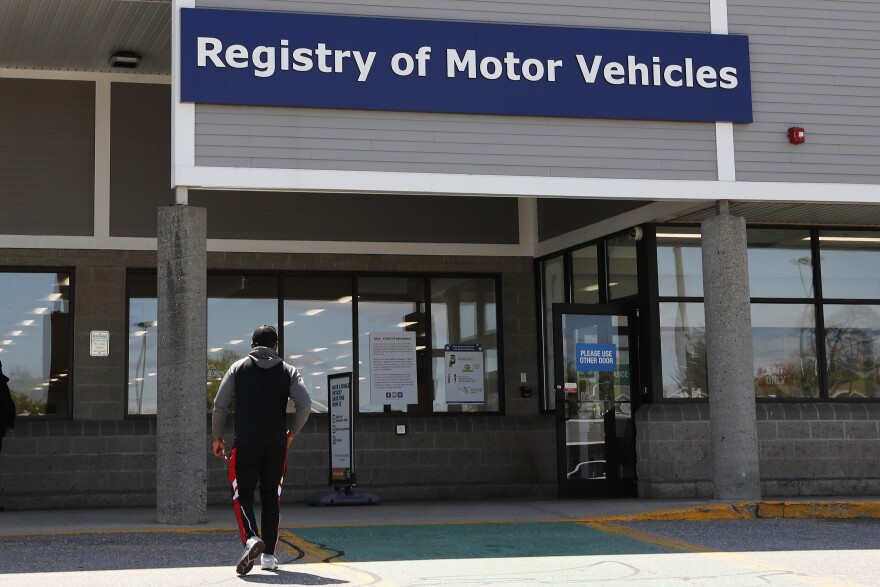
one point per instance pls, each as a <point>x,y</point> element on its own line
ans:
<point>849,264</point>
<point>784,347</point>
<point>236,305</point>
<point>586,284</point>
<point>388,305</point>
<point>463,316</point>
<point>317,330</point>
<point>35,335</point>
<point>780,263</point>
<point>852,351</point>
<point>316,315</point>
<point>683,350</point>
<point>679,262</point>
<point>623,277</point>
<point>143,325</point>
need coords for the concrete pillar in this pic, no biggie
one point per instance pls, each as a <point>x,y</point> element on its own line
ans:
<point>181,449</point>
<point>735,470</point>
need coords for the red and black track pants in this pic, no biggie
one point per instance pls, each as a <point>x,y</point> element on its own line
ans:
<point>264,464</point>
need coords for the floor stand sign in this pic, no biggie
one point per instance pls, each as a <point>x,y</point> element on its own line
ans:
<point>342,475</point>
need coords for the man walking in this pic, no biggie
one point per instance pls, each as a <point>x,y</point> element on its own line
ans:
<point>261,384</point>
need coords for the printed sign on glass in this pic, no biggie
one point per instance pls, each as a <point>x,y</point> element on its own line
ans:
<point>596,357</point>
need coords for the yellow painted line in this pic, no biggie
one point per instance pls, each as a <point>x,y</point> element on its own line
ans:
<point>648,537</point>
<point>819,510</point>
<point>725,511</point>
<point>312,553</point>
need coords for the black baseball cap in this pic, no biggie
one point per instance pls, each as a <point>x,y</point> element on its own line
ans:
<point>265,335</point>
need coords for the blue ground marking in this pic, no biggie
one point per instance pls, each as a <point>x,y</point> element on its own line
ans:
<point>454,541</point>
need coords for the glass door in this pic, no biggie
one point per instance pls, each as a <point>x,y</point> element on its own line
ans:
<point>596,387</point>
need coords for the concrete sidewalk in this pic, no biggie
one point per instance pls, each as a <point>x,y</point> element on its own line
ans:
<point>297,515</point>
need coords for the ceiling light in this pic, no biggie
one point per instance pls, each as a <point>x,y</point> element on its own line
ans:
<point>288,322</point>
<point>16,333</point>
<point>27,322</point>
<point>139,332</point>
<point>849,239</point>
<point>678,235</point>
<point>216,349</point>
<point>344,299</point>
<point>319,349</point>
<point>318,373</point>
<point>405,324</point>
<point>125,59</point>
<point>7,341</point>
<point>420,347</point>
<point>40,310</point>
<point>313,312</point>
<point>138,378</point>
<point>236,341</point>
<point>340,368</point>
<point>343,342</point>
<point>65,281</point>
<point>593,287</point>
<point>54,297</point>
<point>294,356</point>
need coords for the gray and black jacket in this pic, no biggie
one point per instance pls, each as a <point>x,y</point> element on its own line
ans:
<point>261,384</point>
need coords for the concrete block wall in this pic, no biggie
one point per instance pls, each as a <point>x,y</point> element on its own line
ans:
<point>804,449</point>
<point>99,457</point>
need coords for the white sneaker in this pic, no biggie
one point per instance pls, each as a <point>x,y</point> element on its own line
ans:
<point>269,562</point>
<point>252,549</point>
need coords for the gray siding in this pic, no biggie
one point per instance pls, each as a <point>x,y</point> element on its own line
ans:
<point>816,65</point>
<point>47,157</point>
<point>140,143</point>
<point>446,143</point>
<point>367,218</point>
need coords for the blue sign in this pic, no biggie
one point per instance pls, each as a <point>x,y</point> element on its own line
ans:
<point>319,61</point>
<point>596,357</point>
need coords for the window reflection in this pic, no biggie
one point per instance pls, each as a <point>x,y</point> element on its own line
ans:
<point>784,346</point>
<point>585,275</point>
<point>679,262</point>
<point>35,341</point>
<point>143,327</point>
<point>462,311</point>
<point>849,264</point>
<point>852,348</point>
<point>683,350</point>
<point>622,267</point>
<point>317,331</point>
<point>237,304</point>
<point>780,263</point>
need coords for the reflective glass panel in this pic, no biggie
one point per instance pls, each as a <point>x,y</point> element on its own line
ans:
<point>850,261</point>
<point>390,305</point>
<point>143,330</point>
<point>679,262</point>
<point>317,331</point>
<point>553,292</point>
<point>780,263</point>
<point>237,304</point>
<point>459,316</point>
<point>622,267</point>
<point>35,341</point>
<point>683,350</point>
<point>784,346</point>
<point>852,349</point>
<point>585,275</point>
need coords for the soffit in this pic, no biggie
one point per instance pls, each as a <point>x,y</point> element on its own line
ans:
<point>80,35</point>
<point>867,215</point>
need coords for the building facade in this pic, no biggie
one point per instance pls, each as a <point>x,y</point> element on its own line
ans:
<point>580,253</point>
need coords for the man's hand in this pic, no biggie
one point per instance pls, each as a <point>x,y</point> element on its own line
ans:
<point>220,448</point>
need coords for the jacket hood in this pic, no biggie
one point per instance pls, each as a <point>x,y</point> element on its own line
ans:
<point>265,357</point>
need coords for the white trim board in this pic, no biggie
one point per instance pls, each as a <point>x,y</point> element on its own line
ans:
<point>87,76</point>
<point>373,182</point>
